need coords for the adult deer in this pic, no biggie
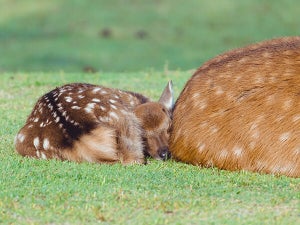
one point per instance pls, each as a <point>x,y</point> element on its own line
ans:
<point>241,111</point>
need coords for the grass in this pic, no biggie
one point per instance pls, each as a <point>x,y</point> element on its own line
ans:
<point>131,35</point>
<point>116,38</point>
<point>53,192</point>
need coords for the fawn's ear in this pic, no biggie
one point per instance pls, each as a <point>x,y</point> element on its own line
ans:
<point>167,98</point>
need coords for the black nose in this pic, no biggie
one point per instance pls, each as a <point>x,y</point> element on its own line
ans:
<point>164,153</point>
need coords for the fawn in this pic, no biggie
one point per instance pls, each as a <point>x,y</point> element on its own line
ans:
<point>241,111</point>
<point>84,122</point>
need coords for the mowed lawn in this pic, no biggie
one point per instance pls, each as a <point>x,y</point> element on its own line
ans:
<point>53,192</point>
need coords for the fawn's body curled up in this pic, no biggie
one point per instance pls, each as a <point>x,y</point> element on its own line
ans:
<point>84,122</point>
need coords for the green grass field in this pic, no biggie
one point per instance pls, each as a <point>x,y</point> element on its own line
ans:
<point>134,35</point>
<point>45,44</point>
<point>53,192</point>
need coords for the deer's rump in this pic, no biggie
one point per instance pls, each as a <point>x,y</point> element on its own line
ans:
<point>241,111</point>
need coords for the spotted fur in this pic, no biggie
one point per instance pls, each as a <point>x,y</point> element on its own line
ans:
<point>84,122</point>
<point>241,111</point>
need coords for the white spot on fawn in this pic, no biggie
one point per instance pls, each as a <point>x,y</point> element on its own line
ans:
<point>81,96</point>
<point>88,110</point>
<point>43,156</point>
<point>75,107</point>
<point>96,100</point>
<point>36,120</point>
<point>102,108</point>
<point>36,142</point>
<point>46,144</point>
<point>113,106</point>
<point>80,90</point>
<point>89,107</point>
<point>104,119</point>
<point>112,101</point>
<point>113,115</point>
<point>68,99</point>
<point>103,92</point>
<point>95,90</point>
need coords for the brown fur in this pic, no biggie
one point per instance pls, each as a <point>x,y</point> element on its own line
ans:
<point>241,111</point>
<point>84,122</point>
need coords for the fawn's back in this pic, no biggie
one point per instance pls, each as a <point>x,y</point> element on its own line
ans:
<point>241,111</point>
<point>85,122</point>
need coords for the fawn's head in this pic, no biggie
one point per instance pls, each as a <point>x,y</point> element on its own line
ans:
<point>155,118</point>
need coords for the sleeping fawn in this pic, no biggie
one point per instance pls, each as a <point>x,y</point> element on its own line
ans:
<point>85,122</point>
<point>241,111</point>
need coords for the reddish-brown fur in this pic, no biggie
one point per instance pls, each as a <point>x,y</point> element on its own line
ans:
<point>241,111</point>
<point>84,122</point>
